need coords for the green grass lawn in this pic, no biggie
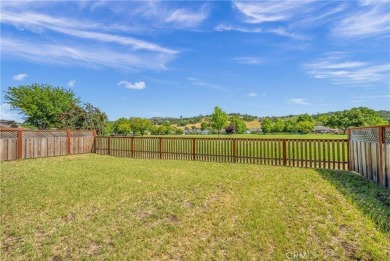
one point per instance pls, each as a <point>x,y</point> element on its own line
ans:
<point>103,207</point>
<point>263,136</point>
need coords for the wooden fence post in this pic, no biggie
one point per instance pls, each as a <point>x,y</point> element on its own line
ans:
<point>132,147</point>
<point>94,141</point>
<point>193,148</point>
<point>284,148</point>
<point>68,142</point>
<point>161,148</point>
<point>20,144</point>
<point>381,132</point>
<point>349,154</point>
<point>234,150</point>
<point>109,145</point>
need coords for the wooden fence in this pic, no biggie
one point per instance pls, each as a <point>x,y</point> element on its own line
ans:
<point>22,144</point>
<point>313,153</point>
<point>369,153</point>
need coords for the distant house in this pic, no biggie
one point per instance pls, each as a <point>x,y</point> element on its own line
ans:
<point>8,123</point>
<point>324,129</point>
<point>206,132</point>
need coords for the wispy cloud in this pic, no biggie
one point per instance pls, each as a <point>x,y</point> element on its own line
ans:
<point>223,27</point>
<point>252,94</point>
<point>281,31</point>
<point>299,101</point>
<point>82,55</point>
<point>373,18</point>
<point>199,82</point>
<point>249,60</point>
<point>72,83</point>
<point>19,77</point>
<point>187,18</point>
<point>134,86</point>
<point>271,11</point>
<point>341,71</point>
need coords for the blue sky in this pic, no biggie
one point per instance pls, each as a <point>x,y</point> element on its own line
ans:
<point>172,58</point>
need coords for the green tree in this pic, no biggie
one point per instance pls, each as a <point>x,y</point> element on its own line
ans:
<point>267,125</point>
<point>41,104</point>
<point>355,117</point>
<point>122,126</point>
<point>179,131</point>
<point>305,126</point>
<point>238,123</point>
<point>278,125</point>
<point>140,125</point>
<point>86,117</point>
<point>204,125</point>
<point>219,119</point>
<point>290,124</point>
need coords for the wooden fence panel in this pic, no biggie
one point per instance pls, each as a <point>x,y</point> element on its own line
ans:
<point>330,154</point>
<point>25,144</point>
<point>369,153</point>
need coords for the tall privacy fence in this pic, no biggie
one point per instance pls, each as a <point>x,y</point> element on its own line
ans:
<point>25,144</point>
<point>369,153</point>
<point>316,153</point>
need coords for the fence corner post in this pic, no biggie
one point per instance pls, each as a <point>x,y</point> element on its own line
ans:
<point>20,144</point>
<point>284,148</point>
<point>68,142</point>
<point>348,149</point>
<point>381,133</point>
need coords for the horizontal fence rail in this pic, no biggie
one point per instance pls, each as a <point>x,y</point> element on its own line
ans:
<point>316,153</point>
<point>26,144</point>
<point>369,153</point>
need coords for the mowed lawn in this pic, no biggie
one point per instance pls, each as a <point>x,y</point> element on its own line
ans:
<point>311,136</point>
<point>103,207</point>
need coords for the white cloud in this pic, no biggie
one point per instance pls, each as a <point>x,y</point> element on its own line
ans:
<point>6,113</point>
<point>242,29</point>
<point>281,31</point>
<point>19,77</point>
<point>83,55</point>
<point>252,94</point>
<point>186,18</point>
<point>271,11</point>
<point>72,83</point>
<point>134,86</point>
<point>373,18</point>
<point>199,82</point>
<point>299,101</point>
<point>340,71</point>
<point>249,60</point>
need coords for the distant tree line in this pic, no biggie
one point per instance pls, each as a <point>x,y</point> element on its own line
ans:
<point>305,123</point>
<point>47,107</point>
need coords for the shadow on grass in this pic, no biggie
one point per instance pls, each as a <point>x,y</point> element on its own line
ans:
<point>371,198</point>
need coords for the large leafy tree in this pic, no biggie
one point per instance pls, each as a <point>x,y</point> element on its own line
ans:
<point>355,117</point>
<point>219,119</point>
<point>140,125</point>
<point>41,103</point>
<point>86,117</point>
